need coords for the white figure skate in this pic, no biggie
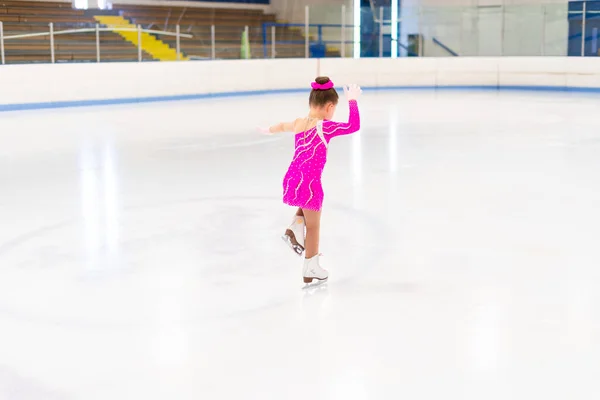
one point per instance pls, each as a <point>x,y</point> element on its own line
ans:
<point>294,235</point>
<point>313,270</point>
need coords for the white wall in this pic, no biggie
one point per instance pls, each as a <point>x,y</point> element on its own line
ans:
<point>559,72</point>
<point>33,84</point>
<point>489,27</point>
<point>71,82</point>
<point>480,2</point>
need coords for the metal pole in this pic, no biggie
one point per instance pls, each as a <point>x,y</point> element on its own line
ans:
<point>583,20</point>
<point>52,58</point>
<point>475,22</point>
<point>462,35</point>
<point>139,27</point>
<point>356,31</point>
<point>213,49</point>
<point>544,32</point>
<point>97,43</point>
<point>247,30</point>
<point>380,32</point>
<point>419,32</point>
<point>2,43</point>
<point>178,45</point>
<point>306,32</point>
<point>343,48</point>
<point>394,29</point>
<point>502,32</point>
<point>273,39</point>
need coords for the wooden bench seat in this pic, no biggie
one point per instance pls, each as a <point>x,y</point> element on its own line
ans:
<point>175,12</point>
<point>54,19</point>
<point>178,10</point>
<point>232,51</point>
<point>32,58</point>
<point>22,28</point>
<point>37,11</point>
<point>256,49</point>
<point>105,38</point>
<point>196,21</point>
<point>57,48</point>
<point>35,4</point>
<point>73,55</point>
<point>66,46</point>
<point>9,18</point>
<point>25,27</point>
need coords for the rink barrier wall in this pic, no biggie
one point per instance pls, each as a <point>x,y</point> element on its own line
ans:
<point>42,86</point>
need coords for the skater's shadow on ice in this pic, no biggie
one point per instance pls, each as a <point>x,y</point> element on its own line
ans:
<point>366,287</point>
<point>317,288</point>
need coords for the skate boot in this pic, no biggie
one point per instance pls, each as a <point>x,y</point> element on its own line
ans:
<point>294,235</point>
<point>312,270</point>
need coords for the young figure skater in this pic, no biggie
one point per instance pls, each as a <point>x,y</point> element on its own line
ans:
<point>302,183</point>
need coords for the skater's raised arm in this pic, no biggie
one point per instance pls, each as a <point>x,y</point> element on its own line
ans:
<point>333,129</point>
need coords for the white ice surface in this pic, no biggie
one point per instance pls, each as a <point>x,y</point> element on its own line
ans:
<point>140,255</point>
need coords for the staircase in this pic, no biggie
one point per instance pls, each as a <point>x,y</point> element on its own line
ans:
<point>158,49</point>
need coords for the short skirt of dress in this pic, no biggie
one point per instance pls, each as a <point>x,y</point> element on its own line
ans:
<point>301,192</point>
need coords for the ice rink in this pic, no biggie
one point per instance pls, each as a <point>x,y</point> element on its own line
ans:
<point>140,252</point>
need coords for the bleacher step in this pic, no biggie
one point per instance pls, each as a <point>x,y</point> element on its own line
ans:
<point>150,44</point>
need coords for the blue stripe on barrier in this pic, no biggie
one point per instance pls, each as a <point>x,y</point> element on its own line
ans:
<point>134,100</point>
<point>104,102</point>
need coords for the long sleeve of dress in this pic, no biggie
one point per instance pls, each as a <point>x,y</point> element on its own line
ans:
<point>332,129</point>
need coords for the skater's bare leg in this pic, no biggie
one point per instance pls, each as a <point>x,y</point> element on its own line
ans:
<point>313,228</point>
<point>300,213</point>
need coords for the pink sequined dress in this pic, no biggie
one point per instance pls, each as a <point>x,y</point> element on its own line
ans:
<point>302,182</point>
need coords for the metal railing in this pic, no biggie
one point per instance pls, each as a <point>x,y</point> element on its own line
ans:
<point>97,30</point>
<point>443,46</point>
<point>314,33</point>
<point>270,41</point>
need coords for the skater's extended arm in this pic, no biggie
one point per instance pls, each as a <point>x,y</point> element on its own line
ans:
<point>333,129</point>
<point>283,127</point>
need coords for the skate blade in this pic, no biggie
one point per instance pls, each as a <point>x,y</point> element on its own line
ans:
<point>294,246</point>
<point>310,280</point>
<point>315,284</point>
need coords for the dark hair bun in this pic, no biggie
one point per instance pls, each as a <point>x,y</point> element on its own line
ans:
<point>320,98</point>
